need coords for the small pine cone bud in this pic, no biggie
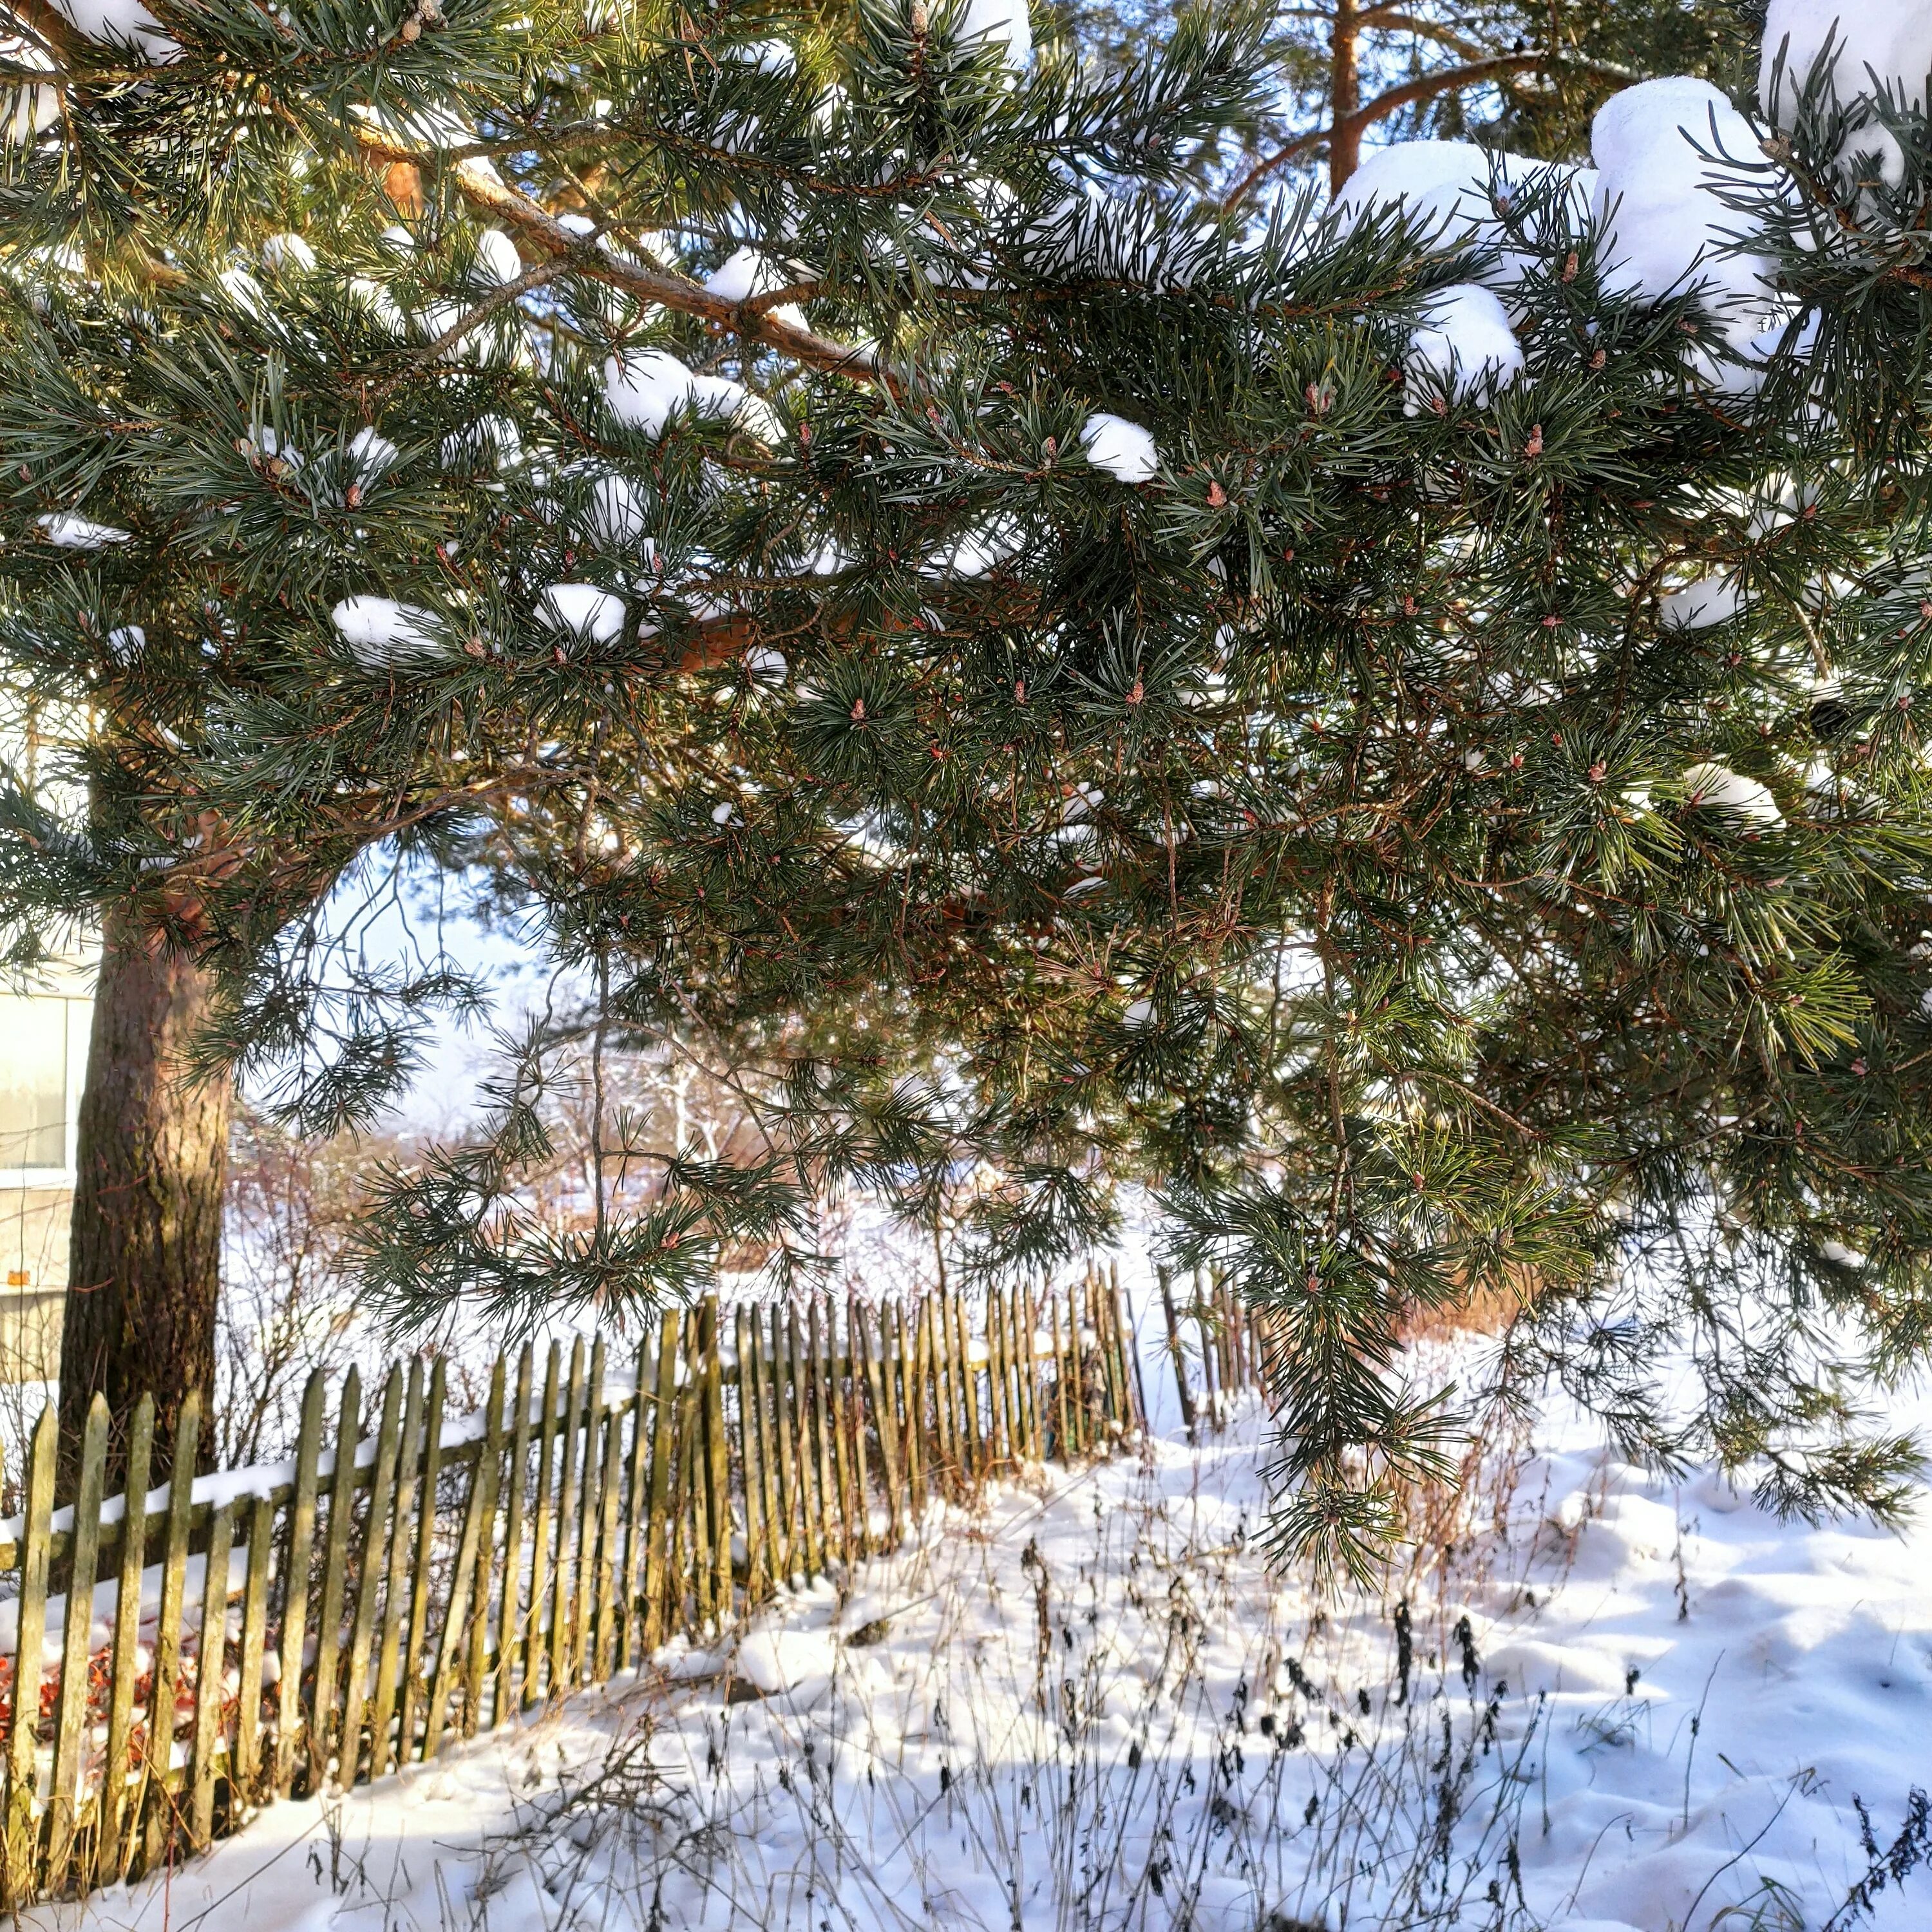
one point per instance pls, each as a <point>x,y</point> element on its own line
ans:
<point>411,30</point>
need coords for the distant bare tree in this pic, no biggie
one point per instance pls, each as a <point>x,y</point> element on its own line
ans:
<point>288,1301</point>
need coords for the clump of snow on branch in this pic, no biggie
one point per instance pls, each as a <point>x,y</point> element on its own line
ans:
<point>747,274</point>
<point>281,252</point>
<point>1450,192</point>
<point>646,388</point>
<point>616,514</point>
<point>1714,600</point>
<point>65,531</point>
<point>497,256</point>
<point>1003,23</point>
<point>1665,230</point>
<point>124,23</point>
<point>1881,46</point>
<point>1463,347</point>
<point>492,439</point>
<point>382,634</point>
<point>583,610</point>
<point>1715,787</point>
<point>773,57</point>
<point>1124,449</point>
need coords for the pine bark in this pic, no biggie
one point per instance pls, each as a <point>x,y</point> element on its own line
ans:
<point>145,1254</point>
<point>1345,95</point>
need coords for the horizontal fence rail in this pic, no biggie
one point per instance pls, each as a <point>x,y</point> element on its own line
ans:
<point>173,1659</point>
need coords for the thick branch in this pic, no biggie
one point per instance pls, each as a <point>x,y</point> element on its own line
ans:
<point>48,27</point>
<point>1424,87</point>
<point>486,189</point>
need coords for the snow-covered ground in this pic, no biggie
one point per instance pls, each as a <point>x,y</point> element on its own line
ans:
<point>1093,1706</point>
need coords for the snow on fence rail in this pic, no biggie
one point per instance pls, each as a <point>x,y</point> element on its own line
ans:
<point>403,1578</point>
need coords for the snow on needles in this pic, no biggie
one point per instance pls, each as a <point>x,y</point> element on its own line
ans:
<point>1003,24</point>
<point>1449,192</point>
<point>382,634</point>
<point>65,531</point>
<point>122,23</point>
<point>1662,150</point>
<point>497,256</point>
<point>1713,600</point>
<point>646,388</point>
<point>1462,348</point>
<point>583,611</point>
<point>1664,230</point>
<point>1715,787</point>
<point>747,274</point>
<point>1124,449</point>
<point>1878,45</point>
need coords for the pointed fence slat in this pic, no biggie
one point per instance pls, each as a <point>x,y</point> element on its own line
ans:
<point>111,1856</point>
<point>838,1426</point>
<point>569,1482</point>
<point>70,1718</point>
<point>485,1487</point>
<point>785,1430</point>
<point>509,1611</point>
<point>23,1739</point>
<point>636,1508</point>
<point>481,1504</point>
<point>447,1587</point>
<point>210,1729</point>
<point>718,1456</point>
<point>757,1556</point>
<point>295,1586</point>
<point>165,1694</point>
<point>388,1655</point>
<point>656,1538</point>
<point>323,1707</point>
<point>762,1396</point>
<point>605,1607</point>
<point>872,1347</point>
<point>375,1543</point>
<point>245,1760</point>
<point>413,1688</point>
<point>531,1653</point>
<point>588,1513</point>
<point>900,1376</point>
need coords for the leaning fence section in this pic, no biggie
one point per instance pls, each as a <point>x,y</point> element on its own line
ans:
<point>178,1656</point>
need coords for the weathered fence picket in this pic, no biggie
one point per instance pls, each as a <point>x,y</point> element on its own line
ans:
<point>272,1631</point>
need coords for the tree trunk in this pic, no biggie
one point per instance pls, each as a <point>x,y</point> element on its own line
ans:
<point>1345,96</point>
<point>145,1267</point>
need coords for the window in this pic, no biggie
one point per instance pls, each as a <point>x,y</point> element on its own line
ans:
<point>35,1100</point>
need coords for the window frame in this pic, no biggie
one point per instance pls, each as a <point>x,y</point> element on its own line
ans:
<point>78,1018</point>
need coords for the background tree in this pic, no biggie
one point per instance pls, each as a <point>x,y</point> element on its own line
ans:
<point>155,312</point>
<point>1027,679</point>
<point>1525,78</point>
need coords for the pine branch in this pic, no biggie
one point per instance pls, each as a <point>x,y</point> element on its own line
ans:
<point>486,190</point>
<point>1413,93</point>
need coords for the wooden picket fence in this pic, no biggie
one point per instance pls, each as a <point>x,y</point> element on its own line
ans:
<point>401,1581</point>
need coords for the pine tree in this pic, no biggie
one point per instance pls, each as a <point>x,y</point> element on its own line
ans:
<point>1396,730</point>
<point>1526,78</point>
